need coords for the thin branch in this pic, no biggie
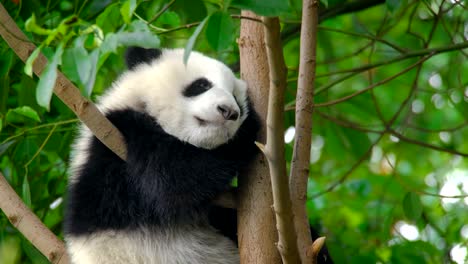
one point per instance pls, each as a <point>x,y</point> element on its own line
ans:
<point>367,36</point>
<point>21,217</point>
<point>247,18</point>
<point>349,124</point>
<point>194,24</point>
<point>86,111</point>
<point>410,54</point>
<point>427,130</point>
<point>301,154</point>
<point>426,145</point>
<point>165,7</point>
<point>274,148</point>
<point>349,172</point>
<point>345,98</point>
<point>418,190</point>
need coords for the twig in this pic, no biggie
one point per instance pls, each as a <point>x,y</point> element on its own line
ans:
<point>274,148</point>
<point>418,190</point>
<point>367,36</point>
<point>301,154</point>
<point>426,145</point>
<point>345,98</point>
<point>165,7</point>
<point>21,217</point>
<point>349,124</point>
<point>410,54</point>
<point>349,172</point>
<point>314,250</point>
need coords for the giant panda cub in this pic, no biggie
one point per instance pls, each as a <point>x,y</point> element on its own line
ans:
<point>189,129</point>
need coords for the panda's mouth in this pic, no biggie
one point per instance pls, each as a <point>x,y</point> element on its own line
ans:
<point>201,122</point>
<point>211,123</point>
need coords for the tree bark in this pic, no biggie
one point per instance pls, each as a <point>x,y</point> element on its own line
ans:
<point>256,223</point>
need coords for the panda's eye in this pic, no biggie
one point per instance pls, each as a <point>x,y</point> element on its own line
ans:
<point>197,87</point>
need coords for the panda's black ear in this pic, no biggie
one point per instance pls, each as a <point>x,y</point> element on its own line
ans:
<point>136,55</point>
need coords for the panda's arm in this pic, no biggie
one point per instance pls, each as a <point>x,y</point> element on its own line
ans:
<point>172,179</point>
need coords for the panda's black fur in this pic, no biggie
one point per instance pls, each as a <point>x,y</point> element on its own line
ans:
<point>164,181</point>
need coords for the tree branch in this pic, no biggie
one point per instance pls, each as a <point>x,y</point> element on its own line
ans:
<point>301,154</point>
<point>21,217</point>
<point>274,148</point>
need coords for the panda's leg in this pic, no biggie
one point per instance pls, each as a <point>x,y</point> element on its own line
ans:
<point>224,220</point>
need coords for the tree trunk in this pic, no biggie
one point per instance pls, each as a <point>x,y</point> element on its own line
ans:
<point>256,223</point>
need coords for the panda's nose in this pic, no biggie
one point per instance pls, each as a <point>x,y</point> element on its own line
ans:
<point>227,112</point>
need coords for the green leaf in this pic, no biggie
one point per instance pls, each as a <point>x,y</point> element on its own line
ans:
<point>33,254</point>
<point>47,80</point>
<point>192,39</point>
<point>5,145</point>
<point>127,10</point>
<point>140,36</point>
<point>169,18</point>
<point>220,30</point>
<point>324,2</point>
<point>190,11</point>
<point>412,206</point>
<point>110,19</point>
<point>263,8</point>
<point>6,61</point>
<point>393,5</point>
<point>12,115</point>
<point>1,124</point>
<point>28,68</point>
<point>26,191</point>
<point>93,59</point>
<point>82,62</point>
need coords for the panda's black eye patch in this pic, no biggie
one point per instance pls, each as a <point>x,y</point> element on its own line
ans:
<point>197,87</point>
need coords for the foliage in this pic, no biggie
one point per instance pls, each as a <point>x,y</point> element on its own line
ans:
<point>380,158</point>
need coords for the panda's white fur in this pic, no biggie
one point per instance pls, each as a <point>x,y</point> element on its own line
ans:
<point>155,87</point>
<point>159,94</point>
<point>146,246</point>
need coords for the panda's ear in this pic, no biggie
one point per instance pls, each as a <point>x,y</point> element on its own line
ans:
<point>136,55</point>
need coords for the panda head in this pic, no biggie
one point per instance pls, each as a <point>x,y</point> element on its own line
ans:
<point>201,102</point>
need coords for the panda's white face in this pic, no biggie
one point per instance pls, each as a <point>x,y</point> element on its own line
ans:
<point>201,103</point>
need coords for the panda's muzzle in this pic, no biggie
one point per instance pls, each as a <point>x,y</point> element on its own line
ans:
<point>227,112</point>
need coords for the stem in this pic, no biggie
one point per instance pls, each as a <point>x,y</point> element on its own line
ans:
<point>274,148</point>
